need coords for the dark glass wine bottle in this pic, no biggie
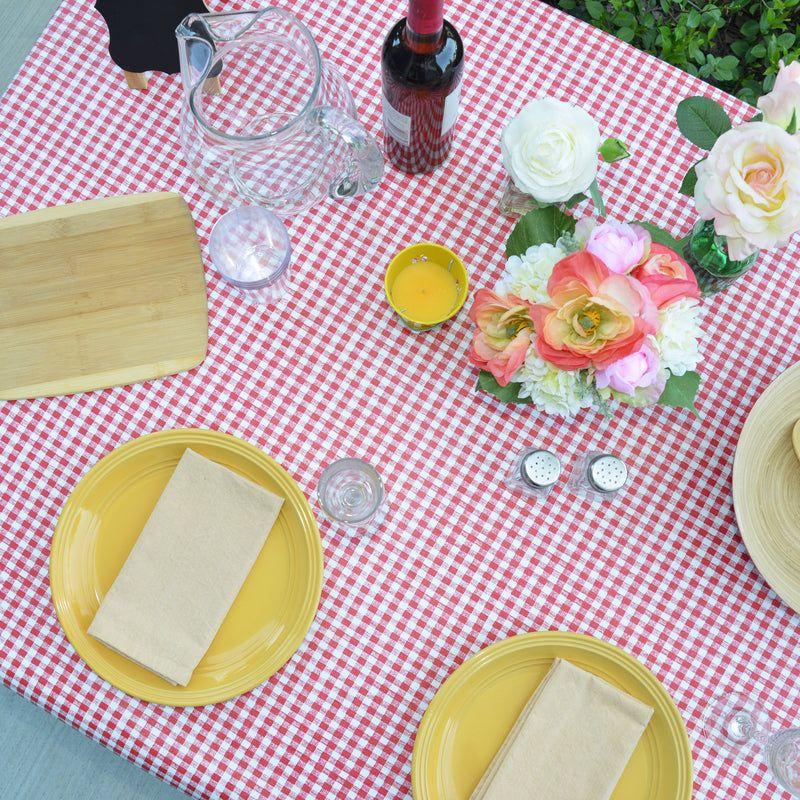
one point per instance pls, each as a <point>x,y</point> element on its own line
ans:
<point>421,69</point>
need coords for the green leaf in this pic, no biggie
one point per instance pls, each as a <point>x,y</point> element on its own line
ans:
<point>613,150</point>
<point>537,227</point>
<point>749,28</point>
<point>575,199</point>
<point>659,235</point>
<point>681,391</point>
<point>756,117</point>
<point>626,34</point>
<point>597,198</point>
<point>689,182</point>
<point>740,47</point>
<point>792,127</point>
<point>508,394</point>
<point>702,120</point>
<point>595,9</point>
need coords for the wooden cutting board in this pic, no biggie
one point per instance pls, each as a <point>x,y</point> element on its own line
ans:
<point>99,293</point>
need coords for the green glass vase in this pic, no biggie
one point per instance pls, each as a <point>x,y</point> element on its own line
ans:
<point>707,255</point>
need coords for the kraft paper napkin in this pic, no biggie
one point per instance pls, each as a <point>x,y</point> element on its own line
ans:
<point>572,741</point>
<point>187,566</point>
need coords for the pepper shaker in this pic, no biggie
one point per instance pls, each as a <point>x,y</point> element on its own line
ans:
<point>598,476</point>
<point>535,472</point>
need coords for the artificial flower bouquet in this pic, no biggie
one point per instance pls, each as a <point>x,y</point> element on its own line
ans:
<point>588,315</point>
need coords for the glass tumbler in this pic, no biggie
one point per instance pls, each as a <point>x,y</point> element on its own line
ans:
<point>250,249</point>
<point>351,494</point>
<point>737,725</point>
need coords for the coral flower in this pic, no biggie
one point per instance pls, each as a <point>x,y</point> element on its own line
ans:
<point>666,276</point>
<point>594,317</point>
<point>503,335</point>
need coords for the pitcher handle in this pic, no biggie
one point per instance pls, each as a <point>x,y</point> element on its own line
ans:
<point>364,168</point>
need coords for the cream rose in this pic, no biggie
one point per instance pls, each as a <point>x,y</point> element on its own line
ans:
<point>750,186</point>
<point>783,101</point>
<point>550,150</point>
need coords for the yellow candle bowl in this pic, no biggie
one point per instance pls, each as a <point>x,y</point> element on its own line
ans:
<point>435,254</point>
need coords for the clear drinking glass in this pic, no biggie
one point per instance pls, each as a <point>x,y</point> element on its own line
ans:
<point>250,249</point>
<point>738,726</point>
<point>351,493</point>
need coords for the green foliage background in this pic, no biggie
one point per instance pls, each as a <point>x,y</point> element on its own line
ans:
<point>733,44</point>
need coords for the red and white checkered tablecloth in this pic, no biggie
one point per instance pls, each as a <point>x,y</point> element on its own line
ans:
<point>461,563</point>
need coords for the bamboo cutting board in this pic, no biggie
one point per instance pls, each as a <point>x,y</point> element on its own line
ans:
<point>99,293</point>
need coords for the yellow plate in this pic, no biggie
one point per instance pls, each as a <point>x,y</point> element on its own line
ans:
<point>766,486</point>
<point>102,519</point>
<point>474,710</point>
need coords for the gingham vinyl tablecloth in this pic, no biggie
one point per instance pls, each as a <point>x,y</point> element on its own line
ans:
<point>461,563</point>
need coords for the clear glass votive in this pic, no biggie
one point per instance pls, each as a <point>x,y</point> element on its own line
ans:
<point>250,249</point>
<point>598,476</point>
<point>351,494</point>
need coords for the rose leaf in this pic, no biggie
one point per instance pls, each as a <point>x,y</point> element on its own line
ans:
<point>680,391</point>
<point>702,120</point>
<point>508,394</point>
<point>542,225</point>
<point>690,180</point>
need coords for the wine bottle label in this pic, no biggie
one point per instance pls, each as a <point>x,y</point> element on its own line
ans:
<point>396,125</point>
<point>450,110</point>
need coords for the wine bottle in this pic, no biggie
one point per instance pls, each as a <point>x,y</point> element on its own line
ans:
<point>421,68</point>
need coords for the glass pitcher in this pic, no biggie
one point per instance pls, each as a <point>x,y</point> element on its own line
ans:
<point>265,120</point>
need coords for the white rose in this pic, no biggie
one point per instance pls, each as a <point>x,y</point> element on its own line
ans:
<point>783,101</point>
<point>679,335</point>
<point>550,150</point>
<point>750,186</point>
<point>527,275</point>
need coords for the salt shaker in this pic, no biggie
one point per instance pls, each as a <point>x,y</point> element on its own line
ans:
<point>535,472</point>
<point>598,476</point>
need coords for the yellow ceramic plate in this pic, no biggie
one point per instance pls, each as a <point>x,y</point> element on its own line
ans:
<point>766,486</point>
<point>102,519</point>
<point>476,707</point>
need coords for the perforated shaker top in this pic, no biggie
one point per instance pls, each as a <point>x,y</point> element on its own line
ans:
<point>607,473</point>
<point>540,468</point>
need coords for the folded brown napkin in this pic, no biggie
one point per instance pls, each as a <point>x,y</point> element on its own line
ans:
<point>187,566</point>
<point>571,741</point>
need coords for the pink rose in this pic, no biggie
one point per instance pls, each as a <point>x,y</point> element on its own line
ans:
<point>618,245</point>
<point>783,101</point>
<point>666,276</point>
<point>504,333</point>
<point>639,370</point>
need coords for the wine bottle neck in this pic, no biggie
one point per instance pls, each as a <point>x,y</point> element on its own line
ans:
<point>425,18</point>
